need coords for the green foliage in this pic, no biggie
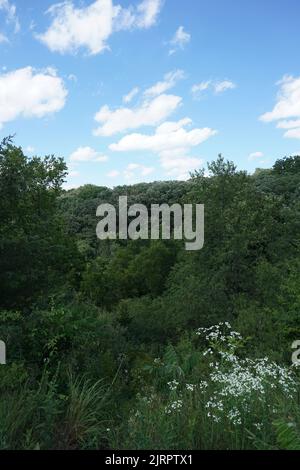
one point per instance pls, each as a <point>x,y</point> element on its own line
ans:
<point>100,336</point>
<point>34,251</point>
<point>288,437</point>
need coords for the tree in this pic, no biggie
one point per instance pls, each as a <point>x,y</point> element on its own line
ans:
<point>34,250</point>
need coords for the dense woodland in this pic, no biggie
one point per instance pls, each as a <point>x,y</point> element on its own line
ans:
<point>142,344</point>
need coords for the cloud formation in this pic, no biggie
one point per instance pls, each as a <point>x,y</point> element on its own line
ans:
<point>217,86</point>
<point>169,81</point>
<point>128,98</point>
<point>287,107</point>
<point>143,16</point>
<point>10,12</point>
<point>45,94</point>
<point>172,142</point>
<point>87,154</point>
<point>149,113</point>
<point>180,39</point>
<point>90,27</point>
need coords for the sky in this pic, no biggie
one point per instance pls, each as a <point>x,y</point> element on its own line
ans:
<point>144,90</point>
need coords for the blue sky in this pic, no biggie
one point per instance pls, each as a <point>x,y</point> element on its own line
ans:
<point>144,90</point>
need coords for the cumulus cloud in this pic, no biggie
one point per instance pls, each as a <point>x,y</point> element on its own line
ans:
<point>168,136</point>
<point>87,154</point>
<point>90,27</point>
<point>286,107</point>
<point>180,39</point>
<point>155,107</point>
<point>45,94</point>
<point>172,142</point>
<point>288,101</point>
<point>73,28</point>
<point>149,113</point>
<point>289,124</point>
<point>293,133</point>
<point>170,80</point>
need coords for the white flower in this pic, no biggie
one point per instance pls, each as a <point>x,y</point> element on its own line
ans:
<point>173,385</point>
<point>190,387</point>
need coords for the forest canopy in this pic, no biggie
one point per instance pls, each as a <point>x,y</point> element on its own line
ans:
<point>107,340</point>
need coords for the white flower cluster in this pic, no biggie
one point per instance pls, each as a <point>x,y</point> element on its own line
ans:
<point>173,385</point>
<point>190,387</point>
<point>239,383</point>
<point>174,406</point>
<point>218,336</point>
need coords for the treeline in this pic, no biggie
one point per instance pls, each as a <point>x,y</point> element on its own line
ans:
<point>103,342</point>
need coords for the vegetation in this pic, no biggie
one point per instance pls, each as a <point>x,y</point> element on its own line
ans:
<point>142,344</point>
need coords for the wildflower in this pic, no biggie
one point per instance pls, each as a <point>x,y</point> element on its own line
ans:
<point>190,387</point>
<point>258,426</point>
<point>174,406</point>
<point>173,385</point>
<point>203,385</point>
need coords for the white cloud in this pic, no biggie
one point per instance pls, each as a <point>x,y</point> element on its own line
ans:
<point>143,16</point>
<point>148,12</point>
<point>288,101</point>
<point>180,39</point>
<point>128,98</point>
<point>224,85</point>
<point>132,166</point>
<point>287,106</point>
<point>255,155</point>
<point>149,113</point>
<point>198,88</point>
<point>73,28</point>
<point>29,93</point>
<point>217,86</point>
<point>170,80</point>
<point>10,13</point>
<point>90,27</point>
<point>293,134</point>
<point>87,154</point>
<point>172,142</point>
<point>168,136</point>
<point>289,124</point>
